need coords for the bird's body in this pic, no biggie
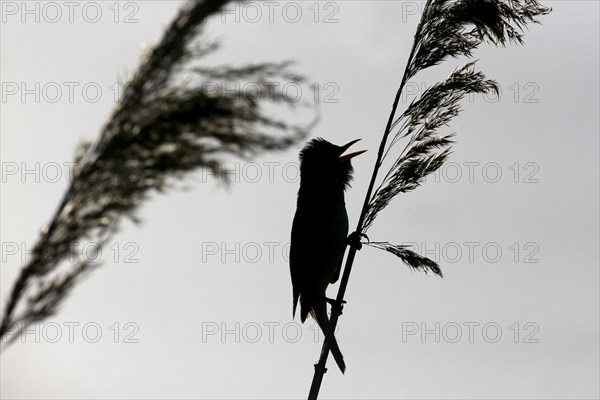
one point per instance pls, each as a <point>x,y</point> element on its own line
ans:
<point>319,235</point>
<point>319,231</point>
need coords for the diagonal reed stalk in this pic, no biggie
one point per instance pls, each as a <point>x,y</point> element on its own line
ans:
<point>441,33</point>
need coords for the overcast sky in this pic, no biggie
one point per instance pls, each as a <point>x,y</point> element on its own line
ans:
<point>196,301</point>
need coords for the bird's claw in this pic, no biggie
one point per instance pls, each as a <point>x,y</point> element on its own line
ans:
<point>354,239</point>
<point>336,306</point>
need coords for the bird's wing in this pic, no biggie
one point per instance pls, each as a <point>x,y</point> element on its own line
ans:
<point>342,238</point>
<point>336,273</point>
<point>295,301</point>
<point>298,255</point>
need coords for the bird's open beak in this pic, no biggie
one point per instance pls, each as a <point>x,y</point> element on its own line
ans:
<point>349,156</point>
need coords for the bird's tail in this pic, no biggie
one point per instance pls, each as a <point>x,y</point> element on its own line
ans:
<point>319,312</point>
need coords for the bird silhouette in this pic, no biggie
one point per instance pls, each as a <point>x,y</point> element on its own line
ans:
<point>319,232</point>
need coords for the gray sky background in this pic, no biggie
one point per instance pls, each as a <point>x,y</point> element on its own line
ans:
<point>204,281</point>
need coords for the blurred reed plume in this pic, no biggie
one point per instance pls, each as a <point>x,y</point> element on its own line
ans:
<point>163,127</point>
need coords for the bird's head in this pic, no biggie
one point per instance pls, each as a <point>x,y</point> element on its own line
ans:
<point>324,165</point>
